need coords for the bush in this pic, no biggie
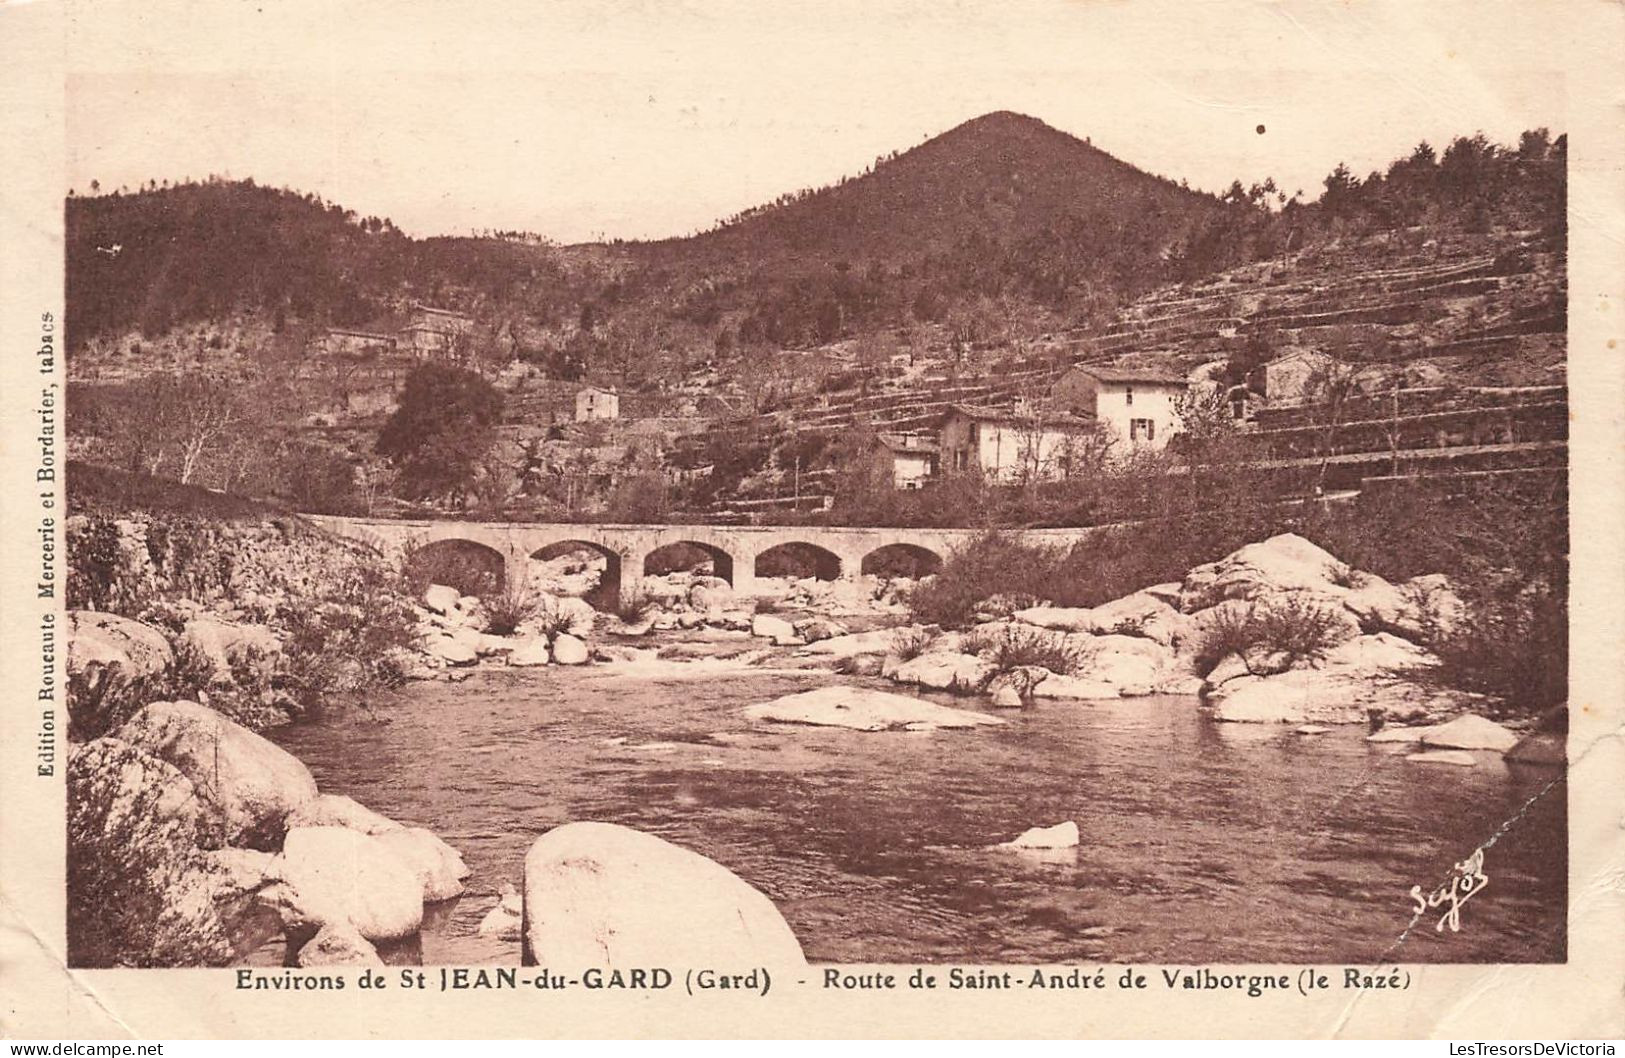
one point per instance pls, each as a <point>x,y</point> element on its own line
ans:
<point>128,854</point>
<point>909,643</point>
<point>1013,648</point>
<point>506,610</point>
<point>1296,626</point>
<point>1514,649</point>
<point>991,565</point>
<point>632,605</point>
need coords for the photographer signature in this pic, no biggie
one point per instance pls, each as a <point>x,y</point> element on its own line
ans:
<point>1467,881</point>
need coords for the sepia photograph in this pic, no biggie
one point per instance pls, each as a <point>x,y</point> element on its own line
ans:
<point>610,490</point>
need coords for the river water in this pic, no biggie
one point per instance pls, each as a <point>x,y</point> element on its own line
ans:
<point>1201,842</point>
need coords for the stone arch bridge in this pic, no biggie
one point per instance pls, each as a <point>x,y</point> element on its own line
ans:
<point>735,550</point>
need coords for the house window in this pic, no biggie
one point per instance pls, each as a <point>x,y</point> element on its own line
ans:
<point>961,458</point>
<point>1139,429</point>
<point>1128,394</point>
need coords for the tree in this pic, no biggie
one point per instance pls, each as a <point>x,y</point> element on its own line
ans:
<point>441,431</point>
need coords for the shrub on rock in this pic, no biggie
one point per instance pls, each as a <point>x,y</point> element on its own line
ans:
<point>140,890</point>
<point>112,662</point>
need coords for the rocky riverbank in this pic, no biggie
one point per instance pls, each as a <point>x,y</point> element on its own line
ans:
<point>193,838</point>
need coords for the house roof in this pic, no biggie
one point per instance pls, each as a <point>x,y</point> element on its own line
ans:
<point>1146,375</point>
<point>1298,354</point>
<point>419,307</point>
<point>352,333</point>
<point>1057,421</point>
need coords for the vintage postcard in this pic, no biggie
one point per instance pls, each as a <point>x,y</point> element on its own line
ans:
<point>900,519</point>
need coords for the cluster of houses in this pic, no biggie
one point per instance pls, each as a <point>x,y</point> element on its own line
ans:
<point>429,334</point>
<point>1092,415</point>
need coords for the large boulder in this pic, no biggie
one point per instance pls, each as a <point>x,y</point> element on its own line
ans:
<point>1282,563</point>
<point>254,783</point>
<point>441,599</point>
<point>1136,614</point>
<point>530,653</point>
<point>865,710</point>
<point>1129,662</point>
<point>710,592</point>
<point>338,876</point>
<point>1470,732</point>
<point>560,614</point>
<point>456,649</point>
<point>231,649</point>
<point>438,866</point>
<point>600,895</point>
<point>1433,605</point>
<point>568,650</point>
<point>768,626</point>
<point>110,658</point>
<point>943,671</point>
<point>1369,675</point>
<point>140,891</point>
<point>337,810</point>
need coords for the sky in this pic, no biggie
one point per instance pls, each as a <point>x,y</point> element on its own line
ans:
<point>652,118</point>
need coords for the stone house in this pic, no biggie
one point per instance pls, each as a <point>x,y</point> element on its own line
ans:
<point>593,404</point>
<point>1015,446</point>
<point>908,461</point>
<point>436,333</point>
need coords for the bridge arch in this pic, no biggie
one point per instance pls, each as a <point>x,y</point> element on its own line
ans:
<point>685,554</point>
<point>797,558</point>
<point>470,566</point>
<point>606,595</point>
<point>901,560</point>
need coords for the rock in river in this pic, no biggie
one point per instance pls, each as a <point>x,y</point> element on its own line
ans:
<point>340,876</point>
<point>439,866</point>
<point>1059,836</point>
<point>942,671</point>
<point>253,782</point>
<point>1470,732</point>
<point>598,894</point>
<point>865,710</point>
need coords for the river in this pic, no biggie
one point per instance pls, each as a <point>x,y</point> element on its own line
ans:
<point>1201,842</point>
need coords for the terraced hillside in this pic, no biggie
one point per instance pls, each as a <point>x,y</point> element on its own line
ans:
<point>1457,343</point>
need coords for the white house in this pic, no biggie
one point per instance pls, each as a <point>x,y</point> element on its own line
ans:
<point>1015,446</point>
<point>593,403</point>
<point>1136,407</point>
